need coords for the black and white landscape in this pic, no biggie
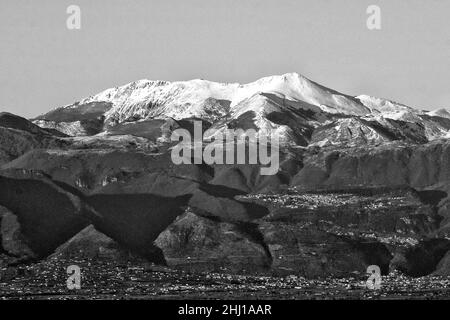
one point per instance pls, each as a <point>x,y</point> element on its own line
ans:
<point>362,181</point>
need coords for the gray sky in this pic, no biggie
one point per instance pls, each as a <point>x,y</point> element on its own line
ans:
<point>44,65</point>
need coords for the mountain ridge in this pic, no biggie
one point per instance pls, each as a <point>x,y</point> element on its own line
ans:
<point>289,105</point>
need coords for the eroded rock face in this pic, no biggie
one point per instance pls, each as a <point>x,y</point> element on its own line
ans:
<point>338,232</point>
<point>394,164</point>
<point>197,243</point>
<point>308,245</point>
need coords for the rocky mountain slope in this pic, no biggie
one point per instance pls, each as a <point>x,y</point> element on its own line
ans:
<point>18,135</point>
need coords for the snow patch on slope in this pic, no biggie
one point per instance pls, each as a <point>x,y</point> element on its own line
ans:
<point>389,109</point>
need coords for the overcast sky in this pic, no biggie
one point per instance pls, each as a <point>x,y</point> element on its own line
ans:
<point>44,65</point>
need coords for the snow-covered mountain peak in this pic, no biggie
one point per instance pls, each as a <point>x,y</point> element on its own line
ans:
<point>181,99</point>
<point>289,103</point>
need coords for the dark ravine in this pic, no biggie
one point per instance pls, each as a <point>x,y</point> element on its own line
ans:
<point>49,214</point>
<point>135,221</point>
<point>424,258</point>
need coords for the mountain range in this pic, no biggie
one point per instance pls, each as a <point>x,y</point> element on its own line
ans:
<point>362,181</point>
<point>301,111</point>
